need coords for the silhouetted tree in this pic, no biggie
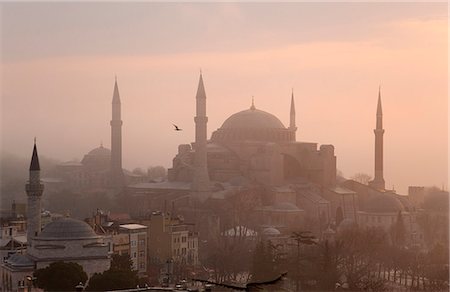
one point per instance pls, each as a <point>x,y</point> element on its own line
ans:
<point>328,264</point>
<point>362,178</point>
<point>300,238</point>
<point>60,276</point>
<point>138,171</point>
<point>339,216</point>
<point>398,231</point>
<point>119,276</point>
<point>360,248</point>
<point>155,172</point>
<point>263,265</point>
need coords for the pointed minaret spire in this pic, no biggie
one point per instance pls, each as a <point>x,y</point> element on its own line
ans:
<point>200,179</point>
<point>116,177</point>
<point>252,107</point>
<point>116,95</point>
<point>379,111</point>
<point>378,181</point>
<point>292,124</point>
<point>34,165</point>
<point>34,189</point>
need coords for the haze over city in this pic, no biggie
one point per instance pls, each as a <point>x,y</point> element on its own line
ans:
<point>224,146</point>
<point>60,59</point>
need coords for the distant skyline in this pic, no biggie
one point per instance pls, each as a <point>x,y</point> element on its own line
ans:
<point>59,61</point>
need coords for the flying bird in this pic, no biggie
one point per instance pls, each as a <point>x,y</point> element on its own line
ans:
<point>252,286</point>
<point>176,128</point>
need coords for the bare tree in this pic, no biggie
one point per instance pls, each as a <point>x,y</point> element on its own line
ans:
<point>362,178</point>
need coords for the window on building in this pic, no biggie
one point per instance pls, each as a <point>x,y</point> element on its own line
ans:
<point>142,265</point>
<point>141,253</point>
<point>142,242</point>
<point>183,239</point>
<point>183,251</point>
<point>134,254</point>
<point>133,243</point>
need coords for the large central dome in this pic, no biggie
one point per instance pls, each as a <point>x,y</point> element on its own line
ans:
<point>253,125</point>
<point>253,118</point>
<point>67,228</point>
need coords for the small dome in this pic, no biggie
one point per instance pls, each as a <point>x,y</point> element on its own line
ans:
<point>100,151</point>
<point>271,231</point>
<point>19,260</point>
<point>67,228</point>
<point>253,118</point>
<point>97,159</point>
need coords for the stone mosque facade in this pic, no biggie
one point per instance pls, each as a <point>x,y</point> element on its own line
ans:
<point>254,148</point>
<point>256,145</point>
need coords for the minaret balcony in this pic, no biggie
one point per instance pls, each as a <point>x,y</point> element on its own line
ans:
<point>34,189</point>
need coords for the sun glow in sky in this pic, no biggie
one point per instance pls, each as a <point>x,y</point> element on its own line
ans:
<point>59,61</point>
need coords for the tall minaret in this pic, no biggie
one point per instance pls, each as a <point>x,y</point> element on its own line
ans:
<point>117,179</point>
<point>292,125</point>
<point>200,179</point>
<point>378,181</point>
<point>34,190</point>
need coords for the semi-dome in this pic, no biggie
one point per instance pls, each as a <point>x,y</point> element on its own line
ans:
<point>254,119</point>
<point>67,228</point>
<point>253,125</point>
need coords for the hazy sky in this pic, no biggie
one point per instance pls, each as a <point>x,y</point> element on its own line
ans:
<point>59,61</point>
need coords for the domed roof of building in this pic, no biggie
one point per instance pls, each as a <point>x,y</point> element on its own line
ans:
<point>383,203</point>
<point>67,228</point>
<point>100,151</point>
<point>254,119</point>
<point>19,260</point>
<point>271,231</point>
<point>252,125</point>
<point>97,159</point>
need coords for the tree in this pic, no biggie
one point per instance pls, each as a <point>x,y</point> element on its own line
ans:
<point>155,172</point>
<point>339,216</point>
<point>328,263</point>
<point>358,256</point>
<point>263,262</point>
<point>138,171</point>
<point>362,178</point>
<point>119,276</point>
<point>60,276</point>
<point>301,238</point>
<point>398,231</point>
